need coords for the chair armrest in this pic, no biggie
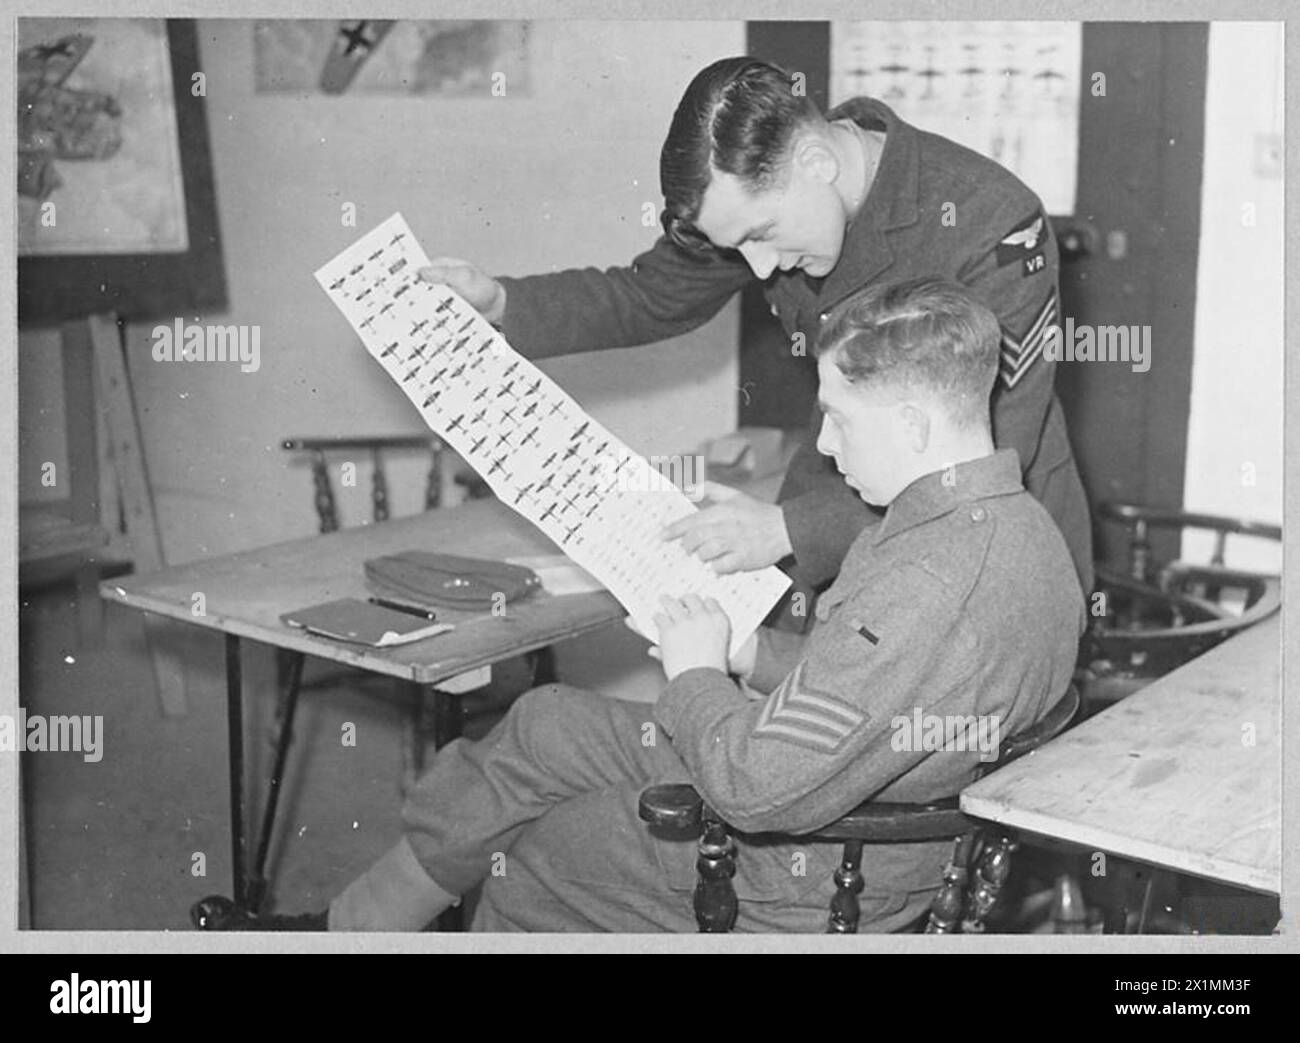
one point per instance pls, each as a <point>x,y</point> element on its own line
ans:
<point>680,807</point>
<point>878,821</point>
<point>1199,609</point>
<point>1263,591</point>
<point>1157,651</point>
<point>676,806</point>
<point>1131,514</point>
<point>312,445</point>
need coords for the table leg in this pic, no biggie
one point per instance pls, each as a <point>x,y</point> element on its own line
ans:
<point>542,661</point>
<point>1145,913</point>
<point>1127,891</point>
<point>435,711</point>
<point>235,738</point>
<point>448,716</point>
<point>256,895</point>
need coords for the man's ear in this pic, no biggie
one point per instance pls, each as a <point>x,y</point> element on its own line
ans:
<point>916,426</point>
<point>810,153</point>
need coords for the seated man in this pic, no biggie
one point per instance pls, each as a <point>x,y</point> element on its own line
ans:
<point>963,604</point>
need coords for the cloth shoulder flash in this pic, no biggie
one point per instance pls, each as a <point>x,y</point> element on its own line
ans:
<point>1025,243</point>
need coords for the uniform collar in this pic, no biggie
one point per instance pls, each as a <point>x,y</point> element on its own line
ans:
<point>893,198</point>
<point>931,496</point>
<point>892,201</point>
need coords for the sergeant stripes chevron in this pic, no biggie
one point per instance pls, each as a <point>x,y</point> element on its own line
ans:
<point>805,715</point>
<point>1019,355</point>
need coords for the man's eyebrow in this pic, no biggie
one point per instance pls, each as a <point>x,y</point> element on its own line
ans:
<point>762,226</point>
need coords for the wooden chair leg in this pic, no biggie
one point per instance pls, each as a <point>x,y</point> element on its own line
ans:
<point>990,877</point>
<point>845,909</point>
<point>948,905</point>
<point>1069,912</point>
<point>715,897</point>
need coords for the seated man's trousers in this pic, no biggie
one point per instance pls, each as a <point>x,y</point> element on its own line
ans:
<point>543,812</point>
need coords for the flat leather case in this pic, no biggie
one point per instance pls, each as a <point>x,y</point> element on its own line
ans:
<point>448,580</point>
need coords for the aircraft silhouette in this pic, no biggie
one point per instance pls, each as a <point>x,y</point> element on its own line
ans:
<point>58,122</point>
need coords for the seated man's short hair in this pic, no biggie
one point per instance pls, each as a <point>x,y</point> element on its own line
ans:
<point>927,333</point>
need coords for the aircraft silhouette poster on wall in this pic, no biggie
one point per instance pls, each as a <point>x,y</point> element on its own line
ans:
<point>99,155</point>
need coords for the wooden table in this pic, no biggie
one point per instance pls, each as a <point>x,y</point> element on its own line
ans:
<point>244,595</point>
<point>1185,773</point>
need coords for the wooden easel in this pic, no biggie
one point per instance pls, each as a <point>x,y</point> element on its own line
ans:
<point>94,364</point>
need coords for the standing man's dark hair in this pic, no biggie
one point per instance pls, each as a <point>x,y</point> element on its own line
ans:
<point>737,116</point>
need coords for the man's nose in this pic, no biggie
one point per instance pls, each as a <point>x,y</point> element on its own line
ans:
<point>824,439</point>
<point>761,260</point>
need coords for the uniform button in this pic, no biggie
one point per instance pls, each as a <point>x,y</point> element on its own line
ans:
<point>773,310</point>
<point>823,316</point>
<point>978,514</point>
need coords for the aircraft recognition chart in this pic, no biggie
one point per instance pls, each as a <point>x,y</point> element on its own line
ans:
<point>533,444</point>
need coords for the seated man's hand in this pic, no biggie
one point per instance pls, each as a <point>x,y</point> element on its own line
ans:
<point>734,532</point>
<point>480,290</point>
<point>741,664</point>
<point>692,632</point>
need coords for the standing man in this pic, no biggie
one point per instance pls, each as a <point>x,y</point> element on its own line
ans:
<point>759,184</point>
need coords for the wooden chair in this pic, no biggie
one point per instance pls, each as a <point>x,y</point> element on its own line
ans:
<point>1151,617</point>
<point>971,882</point>
<point>327,506</point>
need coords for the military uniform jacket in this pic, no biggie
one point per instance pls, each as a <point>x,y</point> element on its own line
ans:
<point>934,208</point>
<point>962,603</point>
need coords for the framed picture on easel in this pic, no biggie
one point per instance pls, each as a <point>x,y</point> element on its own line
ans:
<point>116,205</point>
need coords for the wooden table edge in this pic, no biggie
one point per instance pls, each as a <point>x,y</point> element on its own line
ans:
<point>1097,839</point>
<point>339,652</point>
